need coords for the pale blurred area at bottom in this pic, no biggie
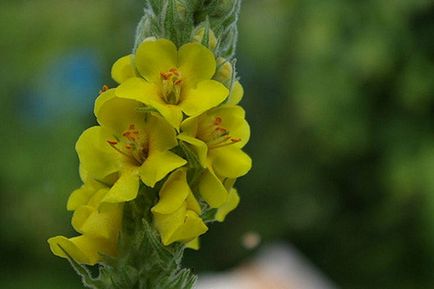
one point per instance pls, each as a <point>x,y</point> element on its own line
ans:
<point>275,267</point>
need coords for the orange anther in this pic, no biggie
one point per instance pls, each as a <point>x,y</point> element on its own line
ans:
<point>218,120</point>
<point>220,129</point>
<point>111,142</point>
<point>164,75</point>
<point>104,88</point>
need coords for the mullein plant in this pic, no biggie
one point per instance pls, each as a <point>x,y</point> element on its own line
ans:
<point>161,164</point>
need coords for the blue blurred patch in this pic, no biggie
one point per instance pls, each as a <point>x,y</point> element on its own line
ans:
<point>66,88</point>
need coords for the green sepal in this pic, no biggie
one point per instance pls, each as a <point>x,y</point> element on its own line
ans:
<point>81,270</point>
<point>169,22</point>
<point>205,39</point>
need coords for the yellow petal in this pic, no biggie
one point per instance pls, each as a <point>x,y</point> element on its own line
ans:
<point>80,216</point>
<point>237,94</point>
<point>125,189</point>
<point>198,146</point>
<point>103,222</point>
<point>139,89</point>
<point>228,112</point>
<point>229,183</point>
<point>212,189</point>
<point>82,195</point>
<point>193,244</point>
<point>96,199</point>
<point>153,57</point>
<point>196,63</point>
<point>149,94</point>
<point>161,134</point>
<point>182,225</point>
<point>207,94</point>
<point>97,158</point>
<point>190,125</point>
<point>230,161</point>
<point>231,203</point>
<point>193,204</point>
<point>123,69</point>
<point>158,165</point>
<point>173,193</point>
<point>116,114</point>
<point>167,224</point>
<point>172,113</point>
<point>192,228</point>
<point>102,98</point>
<point>83,249</point>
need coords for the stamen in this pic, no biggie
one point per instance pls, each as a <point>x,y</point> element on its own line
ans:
<point>104,89</point>
<point>171,83</point>
<point>118,150</point>
<point>215,135</point>
<point>218,120</point>
<point>174,71</point>
<point>225,143</point>
<point>129,146</point>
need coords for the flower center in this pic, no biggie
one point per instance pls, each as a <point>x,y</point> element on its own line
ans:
<point>216,136</point>
<point>171,83</point>
<point>132,143</point>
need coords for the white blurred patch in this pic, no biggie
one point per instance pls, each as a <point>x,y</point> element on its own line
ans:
<point>275,267</point>
<point>251,240</point>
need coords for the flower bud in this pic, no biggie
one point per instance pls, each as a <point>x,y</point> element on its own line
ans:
<point>223,8</point>
<point>181,10</point>
<point>199,35</point>
<point>224,71</point>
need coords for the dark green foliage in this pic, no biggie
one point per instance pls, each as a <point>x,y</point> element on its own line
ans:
<point>340,95</point>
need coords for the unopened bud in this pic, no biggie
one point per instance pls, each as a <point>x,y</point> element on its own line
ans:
<point>224,71</point>
<point>199,36</point>
<point>223,8</point>
<point>181,10</point>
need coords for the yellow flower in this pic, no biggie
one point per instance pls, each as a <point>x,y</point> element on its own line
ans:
<point>98,222</point>
<point>129,146</point>
<point>176,215</point>
<point>171,81</point>
<point>217,138</point>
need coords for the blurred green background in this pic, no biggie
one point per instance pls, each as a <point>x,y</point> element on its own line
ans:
<point>340,97</point>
